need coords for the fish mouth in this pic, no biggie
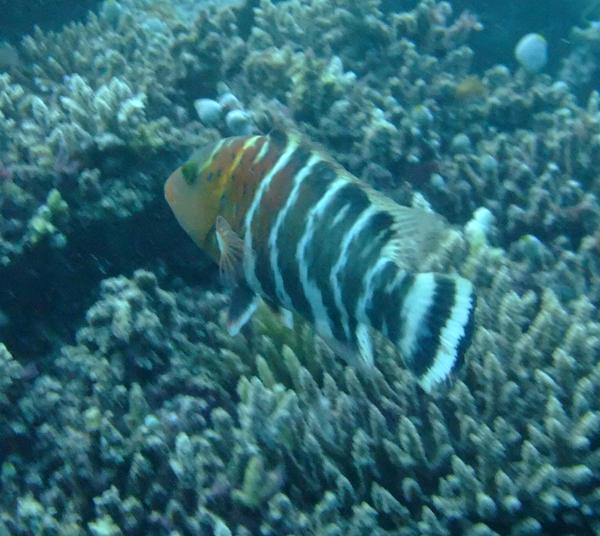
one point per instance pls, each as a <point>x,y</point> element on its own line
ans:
<point>169,193</point>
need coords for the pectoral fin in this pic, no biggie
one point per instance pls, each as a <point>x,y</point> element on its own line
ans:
<point>359,353</point>
<point>287,318</point>
<point>241,308</point>
<point>231,250</point>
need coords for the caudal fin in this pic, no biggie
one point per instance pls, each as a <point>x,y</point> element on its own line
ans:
<point>437,324</point>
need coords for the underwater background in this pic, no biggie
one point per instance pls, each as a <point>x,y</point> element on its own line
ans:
<point>126,408</point>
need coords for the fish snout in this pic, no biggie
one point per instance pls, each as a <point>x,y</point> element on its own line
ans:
<point>169,191</point>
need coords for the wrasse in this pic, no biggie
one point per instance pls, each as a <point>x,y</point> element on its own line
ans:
<point>287,224</point>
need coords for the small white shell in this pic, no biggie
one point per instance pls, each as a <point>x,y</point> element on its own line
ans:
<point>208,110</point>
<point>238,122</point>
<point>229,101</point>
<point>532,52</point>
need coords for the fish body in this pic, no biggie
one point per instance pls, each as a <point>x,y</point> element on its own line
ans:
<point>294,228</point>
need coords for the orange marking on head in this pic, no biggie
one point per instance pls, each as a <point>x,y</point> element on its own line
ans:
<point>276,196</point>
<point>243,182</point>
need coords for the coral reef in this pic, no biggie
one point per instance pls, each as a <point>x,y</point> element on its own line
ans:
<point>579,68</point>
<point>142,416</point>
<point>496,43</point>
<point>173,425</point>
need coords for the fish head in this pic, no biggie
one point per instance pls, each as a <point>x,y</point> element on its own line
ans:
<point>194,195</point>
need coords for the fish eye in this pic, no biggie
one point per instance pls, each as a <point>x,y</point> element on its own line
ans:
<point>189,170</point>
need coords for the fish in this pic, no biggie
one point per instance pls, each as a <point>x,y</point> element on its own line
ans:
<point>288,225</point>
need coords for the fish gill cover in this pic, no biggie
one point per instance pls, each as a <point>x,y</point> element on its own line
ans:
<point>126,408</point>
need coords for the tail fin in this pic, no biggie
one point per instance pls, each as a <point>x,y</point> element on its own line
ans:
<point>437,324</point>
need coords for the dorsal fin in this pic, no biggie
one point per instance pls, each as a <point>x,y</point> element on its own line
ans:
<point>417,232</point>
<point>283,135</point>
<point>280,137</point>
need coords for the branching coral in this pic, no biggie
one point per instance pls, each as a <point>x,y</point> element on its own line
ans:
<point>304,443</point>
<point>155,421</point>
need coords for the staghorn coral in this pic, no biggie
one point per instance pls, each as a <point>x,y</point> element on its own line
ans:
<point>155,421</point>
<point>399,124</point>
<point>391,121</point>
<point>104,103</point>
<point>304,443</point>
<point>579,67</point>
<point>83,114</point>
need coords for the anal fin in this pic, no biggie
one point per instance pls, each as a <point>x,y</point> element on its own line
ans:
<point>365,345</point>
<point>287,318</point>
<point>231,249</point>
<point>241,308</point>
<point>284,315</point>
<point>358,353</point>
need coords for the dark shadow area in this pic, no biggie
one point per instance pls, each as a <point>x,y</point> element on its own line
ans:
<point>18,17</point>
<point>47,291</point>
<point>506,22</point>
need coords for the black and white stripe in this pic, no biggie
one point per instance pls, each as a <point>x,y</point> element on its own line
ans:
<point>249,261</point>
<point>314,186</point>
<point>289,177</point>
<point>364,252</point>
<point>451,320</point>
<point>274,253</point>
<point>340,266</point>
<point>323,252</point>
<point>435,319</point>
<point>327,257</point>
<point>367,304</point>
<point>310,286</point>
